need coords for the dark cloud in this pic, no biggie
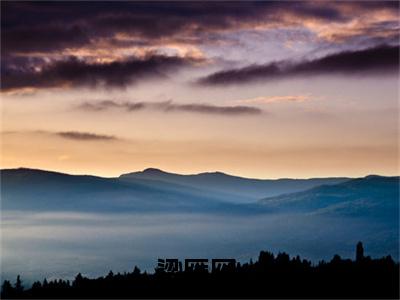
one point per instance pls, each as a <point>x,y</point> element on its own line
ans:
<point>36,39</point>
<point>377,60</point>
<point>213,109</point>
<point>169,106</point>
<point>74,72</point>
<point>73,135</point>
<point>48,26</point>
<point>85,136</point>
<point>35,33</point>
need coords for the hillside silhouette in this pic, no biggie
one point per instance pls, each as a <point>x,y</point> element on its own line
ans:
<point>156,191</point>
<point>271,276</point>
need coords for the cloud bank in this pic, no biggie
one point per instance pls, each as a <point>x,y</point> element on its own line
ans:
<point>378,60</point>
<point>74,72</point>
<point>45,26</point>
<point>169,106</point>
<point>110,44</point>
<point>72,135</point>
<point>85,136</point>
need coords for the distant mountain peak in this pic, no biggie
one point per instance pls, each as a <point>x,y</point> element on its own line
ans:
<point>373,176</point>
<point>216,173</point>
<point>153,171</point>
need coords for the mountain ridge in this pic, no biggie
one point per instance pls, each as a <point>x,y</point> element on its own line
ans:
<point>38,189</point>
<point>375,196</point>
<point>47,190</point>
<point>152,171</point>
<point>238,189</point>
<point>157,170</point>
<point>160,171</point>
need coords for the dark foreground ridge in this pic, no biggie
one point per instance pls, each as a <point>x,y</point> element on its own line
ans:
<point>270,277</point>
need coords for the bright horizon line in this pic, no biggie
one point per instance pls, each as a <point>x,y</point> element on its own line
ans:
<point>97,174</point>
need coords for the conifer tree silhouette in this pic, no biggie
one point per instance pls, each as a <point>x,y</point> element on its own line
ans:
<point>270,276</point>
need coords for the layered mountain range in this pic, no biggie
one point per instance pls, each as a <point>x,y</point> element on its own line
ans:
<point>156,190</point>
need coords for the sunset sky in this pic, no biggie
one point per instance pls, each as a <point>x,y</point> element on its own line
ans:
<point>263,90</point>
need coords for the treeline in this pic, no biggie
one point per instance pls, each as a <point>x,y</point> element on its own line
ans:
<point>269,277</point>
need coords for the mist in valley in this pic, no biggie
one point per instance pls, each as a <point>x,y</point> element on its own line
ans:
<point>62,244</point>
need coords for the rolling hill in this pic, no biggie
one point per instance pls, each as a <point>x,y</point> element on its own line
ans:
<point>232,188</point>
<point>155,190</point>
<point>371,196</point>
<point>28,189</point>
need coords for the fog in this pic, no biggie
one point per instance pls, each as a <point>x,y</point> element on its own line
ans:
<point>59,245</point>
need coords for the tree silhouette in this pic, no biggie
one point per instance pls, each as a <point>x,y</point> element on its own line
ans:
<point>359,252</point>
<point>7,290</point>
<point>270,276</point>
<point>18,285</point>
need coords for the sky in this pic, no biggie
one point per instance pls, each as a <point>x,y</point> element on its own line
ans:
<point>255,89</point>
